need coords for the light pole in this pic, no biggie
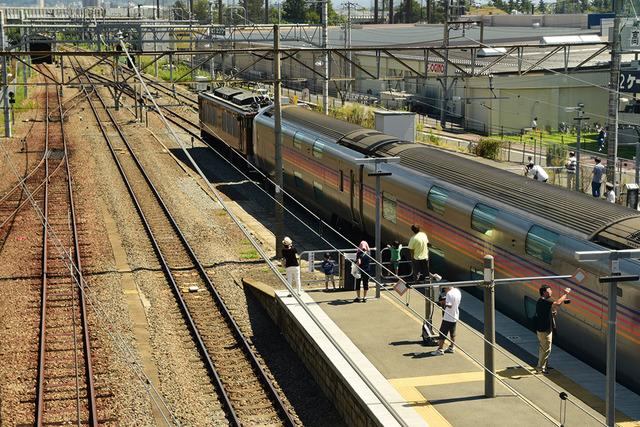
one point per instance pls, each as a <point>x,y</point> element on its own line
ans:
<point>277,110</point>
<point>579,112</point>
<point>378,173</point>
<point>613,257</point>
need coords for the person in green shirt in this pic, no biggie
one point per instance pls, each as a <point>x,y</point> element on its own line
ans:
<point>395,249</point>
<point>419,247</point>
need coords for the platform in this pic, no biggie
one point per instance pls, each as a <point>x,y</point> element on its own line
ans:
<point>448,390</point>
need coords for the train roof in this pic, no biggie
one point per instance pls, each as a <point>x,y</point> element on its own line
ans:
<point>242,99</point>
<point>579,212</point>
<point>610,224</point>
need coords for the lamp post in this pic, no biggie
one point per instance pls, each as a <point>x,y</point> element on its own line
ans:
<point>378,173</point>
<point>579,109</point>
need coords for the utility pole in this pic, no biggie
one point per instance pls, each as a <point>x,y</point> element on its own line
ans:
<point>614,78</point>
<point>325,45</point>
<point>375,11</point>
<point>444,81</point>
<point>220,12</point>
<point>5,87</point>
<point>579,111</point>
<point>390,11</point>
<point>266,11</point>
<point>347,45</point>
<point>277,117</point>
<point>489,326</point>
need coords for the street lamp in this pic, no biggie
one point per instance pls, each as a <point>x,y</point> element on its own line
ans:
<point>378,173</point>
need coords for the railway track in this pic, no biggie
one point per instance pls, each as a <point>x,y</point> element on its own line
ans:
<point>65,392</point>
<point>244,389</point>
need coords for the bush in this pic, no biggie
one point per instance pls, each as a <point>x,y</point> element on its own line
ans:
<point>556,155</point>
<point>488,148</point>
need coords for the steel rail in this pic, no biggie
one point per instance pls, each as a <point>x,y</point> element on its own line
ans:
<point>43,290</point>
<point>260,373</point>
<point>77,272</point>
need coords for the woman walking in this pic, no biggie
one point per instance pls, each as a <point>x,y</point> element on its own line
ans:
<point>290,262</point>
<point>363,261</point>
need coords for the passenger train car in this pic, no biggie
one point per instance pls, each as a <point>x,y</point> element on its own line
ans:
<point>468,209</point>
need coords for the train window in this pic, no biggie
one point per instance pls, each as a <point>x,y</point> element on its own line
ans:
<point>389,206</point>
<point>541,243</point>
<point>297,179</point>
<point>297,143</point>
<point>317,191</point>
<point>318,148</point>
<point>436,199</point>
<point>483,219</point>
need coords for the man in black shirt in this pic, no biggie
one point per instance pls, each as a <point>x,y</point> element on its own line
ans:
<point>545,318</point>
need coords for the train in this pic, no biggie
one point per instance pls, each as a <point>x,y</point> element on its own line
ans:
<point>467,208</point>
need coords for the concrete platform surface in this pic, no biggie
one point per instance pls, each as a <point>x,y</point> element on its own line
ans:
<point>448,390</point>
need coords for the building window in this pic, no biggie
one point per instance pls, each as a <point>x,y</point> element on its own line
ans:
<point>389,206</point>
<point>483,219</point>
<point>541,243</point>
<point>317,192</point>
<point>436,199</point>
<point>318,148</point>
<point>297,179</point>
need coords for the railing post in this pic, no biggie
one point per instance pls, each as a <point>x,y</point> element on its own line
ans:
<point>489,327</point>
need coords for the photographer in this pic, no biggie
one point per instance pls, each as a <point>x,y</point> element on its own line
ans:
<point>545,320</point>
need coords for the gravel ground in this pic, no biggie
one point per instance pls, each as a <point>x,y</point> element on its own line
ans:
<point>220,244</point>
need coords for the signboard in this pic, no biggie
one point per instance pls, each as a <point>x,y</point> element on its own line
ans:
<point>218,31</point>
<point>629,81</point>
<point>630,37</point>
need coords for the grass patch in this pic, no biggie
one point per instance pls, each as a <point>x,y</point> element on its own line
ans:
<point>248,252</point>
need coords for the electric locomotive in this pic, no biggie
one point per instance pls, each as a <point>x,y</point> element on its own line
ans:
<point>469,210</point>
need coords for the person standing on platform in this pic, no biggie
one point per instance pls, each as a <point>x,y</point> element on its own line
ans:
<point>419,247</point>
<point>545,320</point>
<point>363,261</point>
<point>534,124</point>
<point>290,262</point>
<point>571,165</point>
<point>449,320</point>
<point>395,248</point>
<point>328,267</point>
<point>598,177</point>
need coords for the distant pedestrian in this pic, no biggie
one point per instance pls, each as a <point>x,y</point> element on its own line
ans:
<point>610,194</point>
<point>538,173</point>
<point>290,262</point>
<point>545,321</point>
<point>450,318</point>
<point>395,248</point>
<point>363,262</point>
<point>534,124</point>
<point>598,177</point>
<point>419,247</point>
<point>328,267</point>
<point>602,136</point>
<point>571,165</point>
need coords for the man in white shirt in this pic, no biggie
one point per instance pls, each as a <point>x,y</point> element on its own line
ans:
<point>449,320</point>
<point>539,174</point>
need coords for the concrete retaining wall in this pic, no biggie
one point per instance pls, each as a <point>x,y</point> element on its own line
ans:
<point>354,410</point>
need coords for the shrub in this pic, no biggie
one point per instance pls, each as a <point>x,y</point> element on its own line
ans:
<point>556,154</point>
<point>488,148</point>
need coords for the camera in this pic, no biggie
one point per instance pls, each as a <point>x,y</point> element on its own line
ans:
<point>567,301</point>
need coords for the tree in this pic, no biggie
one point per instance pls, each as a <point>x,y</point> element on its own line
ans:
<point>201,10</point>
<point>180,10</point>
<point>294,11</point>
<point>542,7</point>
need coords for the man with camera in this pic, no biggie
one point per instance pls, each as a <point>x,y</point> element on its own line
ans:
<point>545,320</point>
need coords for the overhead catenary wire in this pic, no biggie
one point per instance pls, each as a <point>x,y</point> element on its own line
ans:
<point>81,283</point>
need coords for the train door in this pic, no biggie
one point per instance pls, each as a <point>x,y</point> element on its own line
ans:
<point>356,195</point>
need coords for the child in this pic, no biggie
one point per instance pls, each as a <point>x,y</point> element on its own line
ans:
<point>395,249</point>
<point>328,267</point>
